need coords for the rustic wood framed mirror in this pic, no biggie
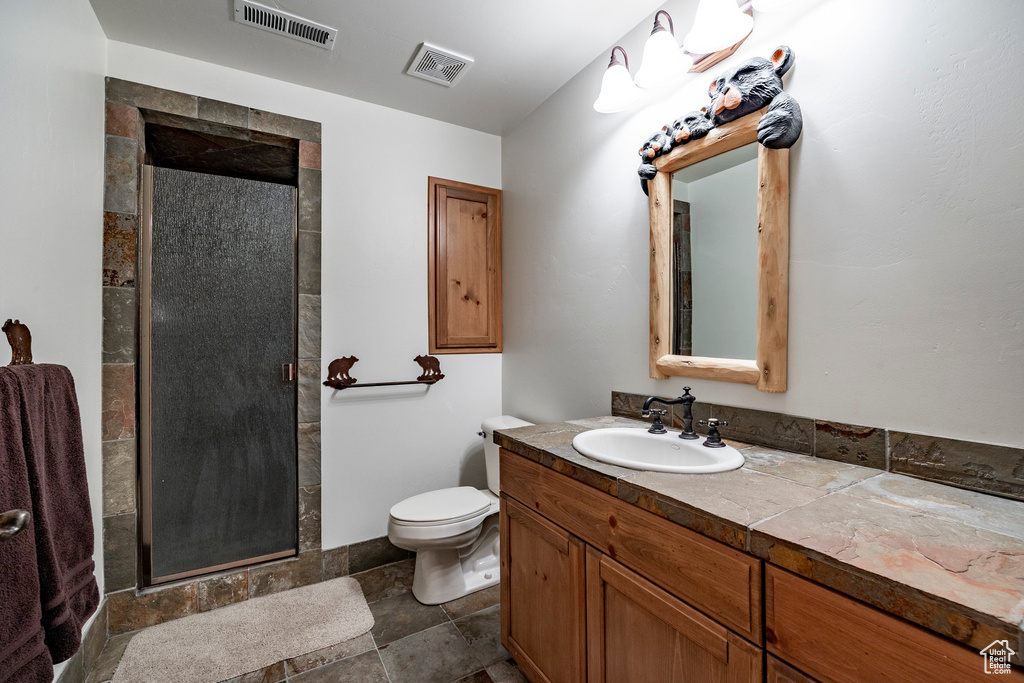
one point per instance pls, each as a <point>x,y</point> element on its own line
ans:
<point>768,369</point>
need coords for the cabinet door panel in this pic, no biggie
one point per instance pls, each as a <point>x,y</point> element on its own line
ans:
<point>639,633</point>
<point>464,268</point>
<point>542,596</point>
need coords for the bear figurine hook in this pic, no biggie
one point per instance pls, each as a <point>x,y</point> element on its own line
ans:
<point>20,339</point>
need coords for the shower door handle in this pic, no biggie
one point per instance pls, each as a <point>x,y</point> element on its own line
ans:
<point>288,372</point>
<point>13,522</point>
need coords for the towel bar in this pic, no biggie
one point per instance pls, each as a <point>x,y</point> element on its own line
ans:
<point>338,377</point>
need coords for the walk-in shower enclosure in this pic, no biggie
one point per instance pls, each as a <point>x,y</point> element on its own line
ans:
<point>218,475</point>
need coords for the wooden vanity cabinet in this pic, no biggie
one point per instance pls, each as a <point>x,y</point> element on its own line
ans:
<point>572,614</point>
<point>720,581</point>
<point>595,589</point>
<point>579,598</point>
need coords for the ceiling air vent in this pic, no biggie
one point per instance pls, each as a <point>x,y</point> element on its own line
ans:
<point>285,24</point>
<point>433,64</point>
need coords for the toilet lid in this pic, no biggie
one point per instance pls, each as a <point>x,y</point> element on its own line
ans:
<point>444,505</point>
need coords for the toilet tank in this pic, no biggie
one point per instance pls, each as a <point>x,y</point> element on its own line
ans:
<point>491,449</point>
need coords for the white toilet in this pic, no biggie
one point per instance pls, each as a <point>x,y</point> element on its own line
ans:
<point>454,532</point>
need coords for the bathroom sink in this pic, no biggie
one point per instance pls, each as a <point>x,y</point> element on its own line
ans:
<point>637,449</point>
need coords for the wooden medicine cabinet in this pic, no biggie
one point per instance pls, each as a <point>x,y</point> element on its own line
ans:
<point>464,267</point>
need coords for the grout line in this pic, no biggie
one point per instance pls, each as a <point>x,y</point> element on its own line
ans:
<point>760,522</point>
<point>381,659</point>
<point>887,464</point>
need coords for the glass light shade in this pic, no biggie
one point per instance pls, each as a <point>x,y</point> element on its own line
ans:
<point>618,91</point>
<point>663,61</point>
<point>772,5</point>
<point>719,24</point>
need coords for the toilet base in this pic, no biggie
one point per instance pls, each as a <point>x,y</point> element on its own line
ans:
<point>442,575</point>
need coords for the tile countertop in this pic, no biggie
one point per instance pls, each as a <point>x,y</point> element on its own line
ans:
<point>948,559</point>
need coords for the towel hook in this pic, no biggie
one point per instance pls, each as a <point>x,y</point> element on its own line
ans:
<point>13,522</point>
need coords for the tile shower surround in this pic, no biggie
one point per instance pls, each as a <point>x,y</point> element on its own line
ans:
<point>127,107</point>
<point>968,465</point>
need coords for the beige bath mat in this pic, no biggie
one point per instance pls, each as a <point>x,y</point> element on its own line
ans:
<point>230,641</point>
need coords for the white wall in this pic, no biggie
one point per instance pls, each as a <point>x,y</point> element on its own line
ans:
<point>906,285</point>
<point>379,445</point>
<point>52,59</point>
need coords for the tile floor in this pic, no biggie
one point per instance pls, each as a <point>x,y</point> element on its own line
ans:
<point>458,642</point>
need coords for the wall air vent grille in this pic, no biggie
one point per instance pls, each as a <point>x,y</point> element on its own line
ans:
<point>433,64</point>
<point>285,24</point>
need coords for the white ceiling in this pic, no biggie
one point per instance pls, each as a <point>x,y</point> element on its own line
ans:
<point>524,50</point>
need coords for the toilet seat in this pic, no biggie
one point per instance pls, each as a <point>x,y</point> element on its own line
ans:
<point>444,506</point>
<point>416,521</point>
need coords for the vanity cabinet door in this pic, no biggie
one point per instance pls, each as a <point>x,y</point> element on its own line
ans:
<point>543,596</point>
<point>639,633</point>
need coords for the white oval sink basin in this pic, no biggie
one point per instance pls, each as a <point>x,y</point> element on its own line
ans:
<point>638,449</point>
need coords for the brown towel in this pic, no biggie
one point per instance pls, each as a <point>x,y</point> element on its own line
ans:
<point>23,653</point>
<point>52,439</point>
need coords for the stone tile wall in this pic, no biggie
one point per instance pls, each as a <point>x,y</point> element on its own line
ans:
<point>965,464</point>
<point>123,129</point>
<point>93,639</point>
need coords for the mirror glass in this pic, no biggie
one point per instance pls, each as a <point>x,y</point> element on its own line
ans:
<point>714,262</point>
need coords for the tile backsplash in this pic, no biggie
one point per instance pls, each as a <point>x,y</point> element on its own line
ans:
<point>965,464</point>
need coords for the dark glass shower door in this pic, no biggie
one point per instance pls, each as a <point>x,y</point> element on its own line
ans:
<point>219,457</point>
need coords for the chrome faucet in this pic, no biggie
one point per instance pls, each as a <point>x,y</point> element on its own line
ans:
<point>686,400</point>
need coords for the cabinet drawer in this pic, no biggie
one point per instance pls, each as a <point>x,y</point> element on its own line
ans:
<point>720,581</point>
<point>836,638</point>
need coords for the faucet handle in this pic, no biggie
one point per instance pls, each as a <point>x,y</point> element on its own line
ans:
<point>714,439</point>
<point>656,427</point>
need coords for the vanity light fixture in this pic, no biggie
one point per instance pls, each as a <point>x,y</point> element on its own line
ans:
<point>719,24</point>
<point>664,61</point>
<point>618,91</point>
